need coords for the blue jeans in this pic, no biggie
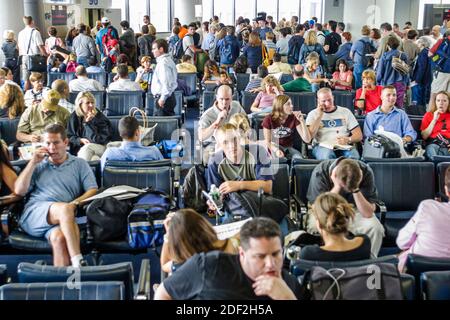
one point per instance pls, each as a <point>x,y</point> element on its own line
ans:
<point>421,94</point>
<point>358,70</point>
<point>434,150</point>
<point>322,153</point>
<point>315,87</point>
<point>83,61</point>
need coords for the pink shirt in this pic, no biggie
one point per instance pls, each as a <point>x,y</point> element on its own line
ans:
<point>264,100</point>
<point>427,233</point>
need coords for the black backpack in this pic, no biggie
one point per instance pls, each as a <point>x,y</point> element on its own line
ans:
<point>379,147</point>
<point>193,186</point>
<point>294,50</point>
<point>248,204</point>
<point>107,218</point>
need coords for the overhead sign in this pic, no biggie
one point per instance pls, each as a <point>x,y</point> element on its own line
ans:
<point>61,2</point>
<point>104,4</point>
<point>59,15</point>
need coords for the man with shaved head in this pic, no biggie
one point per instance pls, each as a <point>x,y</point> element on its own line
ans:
<point>215,116</point>
<point>300,83</point>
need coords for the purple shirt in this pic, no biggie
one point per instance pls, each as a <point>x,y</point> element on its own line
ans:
<point>426,233</point>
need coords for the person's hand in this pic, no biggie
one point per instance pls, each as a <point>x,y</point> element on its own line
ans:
<point>89,117</point>
<point>39,155</point>
<point>405,140</point>
<point>229,186</point>
<point>84,141</point>
<point>35,138</point>
<point>336,182</point>
<point>211,205</point>
<point>436,115</point>
<point>222,116</point>
<point>320,110</point>
<point>35,102</point>
<point>279,153</point>
<point>299,116</point>
<point>343,140</point>
<point>273,287</point>
<point>161,103</point>
<point>167,221</point>
<point>277,92</point>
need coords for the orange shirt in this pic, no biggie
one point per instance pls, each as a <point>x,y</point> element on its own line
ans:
<point>183,32</point>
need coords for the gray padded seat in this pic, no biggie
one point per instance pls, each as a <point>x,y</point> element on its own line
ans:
<point>108,290</point>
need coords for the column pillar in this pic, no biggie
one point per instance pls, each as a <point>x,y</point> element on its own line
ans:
<point>184,10</point>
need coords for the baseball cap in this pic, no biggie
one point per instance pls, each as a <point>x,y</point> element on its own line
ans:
<point>50,100</point>
<point>105,20</point>
<point>311,22</point>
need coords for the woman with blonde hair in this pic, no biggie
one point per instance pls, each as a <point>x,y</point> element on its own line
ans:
<point>279,128</point>
<point>11,53</point>
<point>12,102</point>
<point>435,126</point>
<point>188,233</point>
<point>314,72</point>
<point>311,45</point>
<point>253,51</point>
<point>144,73</point>
<point>368,97</point>
<point>270,88</point>
<point>333,215</point>
<point>89,130</point>
<point>241,122</point>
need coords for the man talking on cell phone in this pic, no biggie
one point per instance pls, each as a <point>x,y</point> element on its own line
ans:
<point>55,182</point>
<point>214,117</point>
<point>334,129</point>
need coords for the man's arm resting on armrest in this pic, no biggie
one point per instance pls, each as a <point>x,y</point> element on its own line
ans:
<point>86,195</point>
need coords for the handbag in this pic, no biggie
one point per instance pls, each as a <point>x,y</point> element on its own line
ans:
<point>35,63</point>
<point>400,66</point>
<point>265,56</point>
<point>147,133</point>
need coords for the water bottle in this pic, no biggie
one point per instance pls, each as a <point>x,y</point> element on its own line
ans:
<point>293,253</point>
<point>215,195</point>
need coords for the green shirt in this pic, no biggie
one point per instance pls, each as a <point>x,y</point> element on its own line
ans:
<point>297,85</point>
<point>34,120</point>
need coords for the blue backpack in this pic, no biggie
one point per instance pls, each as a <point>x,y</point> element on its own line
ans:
<point>146,220</point>
<point>177,50</point>
<point>226,52</point>
<point>441,59</point>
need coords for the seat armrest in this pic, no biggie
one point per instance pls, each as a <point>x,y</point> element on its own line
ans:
<point>302,209</point>
<point>143,289</point>
<point>381,208</point>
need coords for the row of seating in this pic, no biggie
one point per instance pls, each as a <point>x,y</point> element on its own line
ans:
<point>302,101</point>
<point>106,282</point>
<point>166,129</point>
<point>118,103</point>
<point>426,278</point>
<point>104,78</point>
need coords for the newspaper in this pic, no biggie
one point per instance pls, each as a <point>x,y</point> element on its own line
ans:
<point>228,230</point>
<point>119,192</point>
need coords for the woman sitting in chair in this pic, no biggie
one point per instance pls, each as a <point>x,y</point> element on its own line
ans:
<point>333,214</point>
<point>281,125</point>
<point>188,233</point>
<point>343,77</point>
<point>435,127</point>
<point>89,130</point>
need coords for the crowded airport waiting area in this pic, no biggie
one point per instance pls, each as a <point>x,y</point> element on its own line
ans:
<point>252,150</point>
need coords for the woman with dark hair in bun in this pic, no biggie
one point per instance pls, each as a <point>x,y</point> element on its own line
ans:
<point>333,214</point>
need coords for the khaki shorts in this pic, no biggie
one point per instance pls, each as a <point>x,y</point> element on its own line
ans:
<point>441,83</point>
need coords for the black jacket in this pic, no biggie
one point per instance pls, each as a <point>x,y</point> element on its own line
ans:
<point>98,130</point>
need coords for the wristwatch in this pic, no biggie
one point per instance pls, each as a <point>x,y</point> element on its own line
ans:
<point>356,190</point>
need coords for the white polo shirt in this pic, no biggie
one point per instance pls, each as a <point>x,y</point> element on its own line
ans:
<point>24,40</point>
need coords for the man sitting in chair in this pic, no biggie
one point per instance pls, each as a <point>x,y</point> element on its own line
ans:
<point>131,148</point>
<point>55,182</point>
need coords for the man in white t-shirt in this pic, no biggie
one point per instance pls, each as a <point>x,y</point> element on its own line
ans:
<point>189,47</point>
<point>83,83</point>
<point>30,43</point>
<point>124,83</point>
<point>334,129</point>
